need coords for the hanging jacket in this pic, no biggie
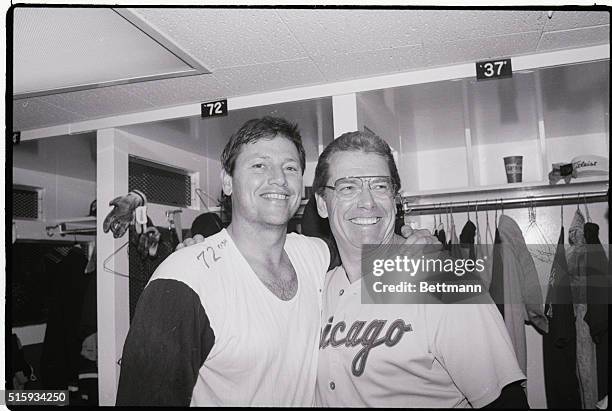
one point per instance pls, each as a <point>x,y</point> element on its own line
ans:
<point>559,344</point>
<point>442,238</point>
<point>585,347</point>
<point>453,243</point>
<point>496,286</point>
<point>466,239</point>
<point>522,294</point>
<point>598,285</point>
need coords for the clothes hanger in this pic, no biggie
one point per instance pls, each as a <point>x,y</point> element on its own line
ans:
<point>488,234</point>
<point>435,225</point>
<point>453,229</point>
<point>447,224</point>
<point>110,270</point>
<point>586,208</point>
<point>201,192</point>
<point>495,201</point>
<point>542,248</point>
<point>478,240</point>
<point>468,210</point>
<point>440,224</point>
<point>562,203</point>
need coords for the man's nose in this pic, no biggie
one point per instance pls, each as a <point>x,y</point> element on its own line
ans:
<point>365,198</point>
<point>277,176</point>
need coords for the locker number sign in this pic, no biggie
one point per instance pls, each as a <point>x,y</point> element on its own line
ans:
<point>487,70</point>
<point>214,108</point>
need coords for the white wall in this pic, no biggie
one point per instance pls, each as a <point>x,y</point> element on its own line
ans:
<point>62,197</point>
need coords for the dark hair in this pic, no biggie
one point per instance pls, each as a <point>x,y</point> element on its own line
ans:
<point>360,141</point>
<point>252,131</point>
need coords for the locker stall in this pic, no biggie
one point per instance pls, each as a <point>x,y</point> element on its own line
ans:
<point>545,115</point>
<point>449,134</point>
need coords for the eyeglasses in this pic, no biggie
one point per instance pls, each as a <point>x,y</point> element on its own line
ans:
<point>348,188</point>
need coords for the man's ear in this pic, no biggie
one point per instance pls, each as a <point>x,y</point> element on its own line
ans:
<point>321,206</point>
<point>226,183</point>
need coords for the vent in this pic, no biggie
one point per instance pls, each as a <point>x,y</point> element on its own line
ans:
<point>26,203</point>
<point>161,184</point>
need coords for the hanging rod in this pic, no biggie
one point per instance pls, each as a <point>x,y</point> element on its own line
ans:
<point>80,231</point>
<point>499,203</point>
<point>62,230</point>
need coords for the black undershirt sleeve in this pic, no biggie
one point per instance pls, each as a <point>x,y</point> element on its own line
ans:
<point>169,339</point>
<point>512,397</point>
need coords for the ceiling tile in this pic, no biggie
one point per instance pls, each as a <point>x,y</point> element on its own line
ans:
<point>81,46</point>
<point>270,76</point>
<point>350,31</point>
<point>181,90</point>
<point>443,26</point>
<point>564,20</point>
<point>481,49</point>
<point>34,113</point>
<point>369,63</point>
<point>99,102</point>
<point>226,37</point>
<point>574,38</point>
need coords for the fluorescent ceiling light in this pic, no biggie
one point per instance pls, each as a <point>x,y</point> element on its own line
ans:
<point>62,49</point>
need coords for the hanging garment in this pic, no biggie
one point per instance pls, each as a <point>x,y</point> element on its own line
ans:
<point>522,295</point>
<point>496,287</point>
<point>453,242</point>
<point>598,284</point>
<point>466,239</point>
<point>559,344</point>
<point>442,238</point>
<point>88,328</point>
<point>585,347</point>
<point>61,346</point>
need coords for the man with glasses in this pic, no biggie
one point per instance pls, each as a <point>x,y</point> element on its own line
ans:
<point>396,355</point>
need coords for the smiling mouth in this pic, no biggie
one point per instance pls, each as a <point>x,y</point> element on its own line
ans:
<point>275,196</point>
<point>365,220</point>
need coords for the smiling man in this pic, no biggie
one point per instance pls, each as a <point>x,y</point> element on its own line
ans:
<point>235,320</point>
<point>397,355</point>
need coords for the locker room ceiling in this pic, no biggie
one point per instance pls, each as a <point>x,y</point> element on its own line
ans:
<point>251,51</point>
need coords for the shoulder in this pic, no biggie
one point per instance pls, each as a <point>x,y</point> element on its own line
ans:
<point>313,244</point>
<point>187,264</point>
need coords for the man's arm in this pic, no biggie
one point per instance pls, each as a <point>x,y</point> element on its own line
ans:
<point>169,339</point>
<point>472,344</point>
<point>512,397</point>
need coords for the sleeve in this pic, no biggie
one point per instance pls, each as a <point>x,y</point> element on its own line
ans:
<point>334,254</point>
<point>318,253</point>
<point>471,342</point>
<point>169,339</point>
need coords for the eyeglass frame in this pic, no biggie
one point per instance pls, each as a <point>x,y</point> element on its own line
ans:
<point>369,179</point>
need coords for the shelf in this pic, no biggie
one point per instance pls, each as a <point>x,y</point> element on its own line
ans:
<point>513,187</point>
<point>74,220</point>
